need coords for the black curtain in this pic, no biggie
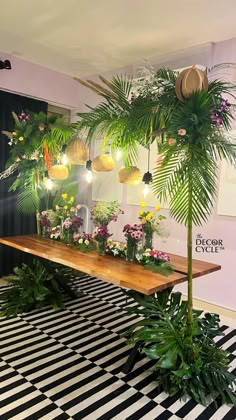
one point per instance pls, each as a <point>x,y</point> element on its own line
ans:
<point>11,221</point>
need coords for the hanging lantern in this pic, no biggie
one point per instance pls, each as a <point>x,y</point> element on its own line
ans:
<point>131,175</point>
<point>58,172</point>
<point>189,81</point>
<point>103,163</point>
<point>77,152</point>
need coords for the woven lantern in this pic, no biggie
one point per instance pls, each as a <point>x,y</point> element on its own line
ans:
<point>58,172</point>
<point>131,175</point>
<point>189,81</point>
<point>103,163</point>
<point>77,152</point>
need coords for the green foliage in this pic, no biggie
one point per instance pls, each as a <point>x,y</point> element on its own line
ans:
<point>27,149</point>
<point>163,268</point>
<point>32,288</point>
<point>196,369</point>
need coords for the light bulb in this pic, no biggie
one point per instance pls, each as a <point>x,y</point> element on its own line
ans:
<point>48,184</point>
<point>64,159</point>
<point>146,190</point>
<point>118,154</point>
<point>89,176</point>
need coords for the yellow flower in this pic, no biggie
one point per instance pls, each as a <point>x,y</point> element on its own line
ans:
<point>157,208</point>
<point>64,196</point>
<point>72,199</point>
<point>21,138</point>
<point>148,217</point>
<point>142,204</point>
<point>65,207</point>
<point>14,133</point>
<point>57,207</point>
<point>151,214</point>
<point>140,212</point>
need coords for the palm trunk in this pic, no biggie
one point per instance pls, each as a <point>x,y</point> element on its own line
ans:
<point>190,258</point>
<point>38,226</point>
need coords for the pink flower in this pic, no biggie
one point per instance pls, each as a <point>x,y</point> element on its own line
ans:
<point>171,142</point>
<point>182,132</point>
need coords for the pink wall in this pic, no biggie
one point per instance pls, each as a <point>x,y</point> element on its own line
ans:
<point>36,81</point>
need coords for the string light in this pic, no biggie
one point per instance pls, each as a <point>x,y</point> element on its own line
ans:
<point>118,154</point>
<point>48,184</point>
<point>64,159</point>
<point>89,175</point>
<point>146,190</point>
<point>147,178</point>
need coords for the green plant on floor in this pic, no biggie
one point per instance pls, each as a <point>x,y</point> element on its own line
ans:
<point>188,366</point>
<point>188,116</point>
<point>31,288</point>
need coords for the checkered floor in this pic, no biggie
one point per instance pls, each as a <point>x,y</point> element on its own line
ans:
<point>67,365</point>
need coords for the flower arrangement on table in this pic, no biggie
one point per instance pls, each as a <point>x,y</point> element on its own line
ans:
<point>151,223</point>
<point>156,261</point>
<point>103,213</point>
<point>101,235</point>
<point>133,235</point>
<point>84,242</point>
<point>116,249</point>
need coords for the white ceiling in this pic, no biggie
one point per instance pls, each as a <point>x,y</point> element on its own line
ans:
<point>85,37</point>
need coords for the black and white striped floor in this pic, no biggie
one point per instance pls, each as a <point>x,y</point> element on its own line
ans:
<point>66,365</point>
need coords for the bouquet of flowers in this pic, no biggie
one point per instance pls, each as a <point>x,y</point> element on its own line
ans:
<point>116,249</point>
<point>84,242</point>
<point>151,222</point>
<point>133,234</point>
<point>66,207</point>
<point>71,226</point>
<point>104,213</point>
<point>45,223</point>
<point>101,234</point>
<point>156,261</point>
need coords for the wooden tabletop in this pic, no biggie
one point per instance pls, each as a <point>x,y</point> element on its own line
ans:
<point>111,269</point>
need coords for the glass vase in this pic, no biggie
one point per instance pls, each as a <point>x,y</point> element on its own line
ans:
<point>67,236</point>
<point>101,247</point>
<point>44,232</point>
<point>131,249</point>
<point>147,239</point>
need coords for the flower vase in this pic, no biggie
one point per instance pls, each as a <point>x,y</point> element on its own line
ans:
<point>131,249</point>
<point>44,232</point>
<point>147,239</point>
<point>101,246</point>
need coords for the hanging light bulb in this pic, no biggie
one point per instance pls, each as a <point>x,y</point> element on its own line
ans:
<point>147,178</point>
<point>48,184</point>
<point>89,175</point>
<point>146,190</point>
<point>64,159</point>
<point>118,154</point>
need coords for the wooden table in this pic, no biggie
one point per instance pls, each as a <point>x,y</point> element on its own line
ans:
<point>115,270</point>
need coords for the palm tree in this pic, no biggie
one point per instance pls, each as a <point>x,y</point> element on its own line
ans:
<point>192,138</point>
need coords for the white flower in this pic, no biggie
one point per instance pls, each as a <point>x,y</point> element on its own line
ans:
<point>80,240</point>
<point>86,242</point>
<point>115,252</point>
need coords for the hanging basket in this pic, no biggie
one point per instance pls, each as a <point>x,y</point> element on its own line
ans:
<point>131,175</point>
<point>189,81</point>
<point>58,172</point>
<point>77,152</point>
<point>103,163</point>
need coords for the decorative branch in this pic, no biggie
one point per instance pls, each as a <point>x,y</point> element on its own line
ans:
<point>9,171</point>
